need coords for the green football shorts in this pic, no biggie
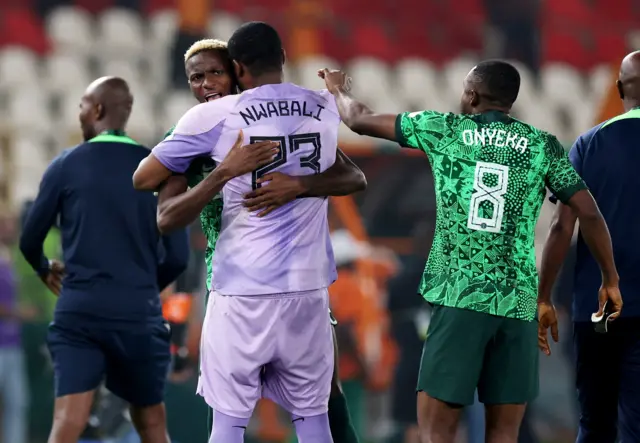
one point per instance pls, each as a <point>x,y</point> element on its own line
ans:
<point>465,350</point>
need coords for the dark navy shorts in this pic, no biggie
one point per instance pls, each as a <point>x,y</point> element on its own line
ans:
<point>132,363</point>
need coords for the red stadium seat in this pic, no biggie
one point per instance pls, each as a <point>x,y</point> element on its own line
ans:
<point>610,44</point>
<point>94,6</point>
<point>358,10</point>
<point>372,39</point>
<point>234,6</point>
<point>616,14</point>
<point>335,41</point>
<point>427,40</point>
<point>466,10</point>
<point>576,11</point>
<point>565,46</point>
<point>151,6</point>
<point>21,27</point>
<point>465,19</point>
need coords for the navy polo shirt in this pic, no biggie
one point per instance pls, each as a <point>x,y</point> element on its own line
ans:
<point>608,159</point>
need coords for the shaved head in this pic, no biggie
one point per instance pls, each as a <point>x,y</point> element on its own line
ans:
<point>629,80</point>
<point>106,105</point>
<point>113,94</point>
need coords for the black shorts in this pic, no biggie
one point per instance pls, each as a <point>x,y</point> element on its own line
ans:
<point>133,363</point>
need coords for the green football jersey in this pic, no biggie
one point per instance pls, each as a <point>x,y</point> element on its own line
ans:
<point>490,173</point>
<point>211,215</point>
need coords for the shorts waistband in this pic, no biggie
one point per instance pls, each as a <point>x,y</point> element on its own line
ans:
<point>300,294</point>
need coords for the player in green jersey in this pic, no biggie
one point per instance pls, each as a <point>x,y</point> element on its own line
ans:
<point>491,172</point>
<point>209,74</point>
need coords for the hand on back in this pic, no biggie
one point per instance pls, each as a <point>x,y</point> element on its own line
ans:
<point>244,159</point>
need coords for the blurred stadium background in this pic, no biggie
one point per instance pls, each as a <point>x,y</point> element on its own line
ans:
<point>403,55</point>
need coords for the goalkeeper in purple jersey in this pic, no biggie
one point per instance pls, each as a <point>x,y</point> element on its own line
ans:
<point>185,197</point>
<point>491,173</point>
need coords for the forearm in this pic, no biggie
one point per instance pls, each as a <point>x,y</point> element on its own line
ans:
<point>362,120</point>
<point>351,110</point>
<point>596,235</point>
<point>343,178</point>
<point>32,249</point>
<point>555,250</point>
<point>180,211</point>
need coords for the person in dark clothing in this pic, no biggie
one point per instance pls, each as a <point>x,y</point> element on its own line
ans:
<point>608,363</point>
<point>108,321</point>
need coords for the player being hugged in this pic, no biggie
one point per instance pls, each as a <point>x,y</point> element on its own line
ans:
<point>209,72</point>
<point>266,330</point>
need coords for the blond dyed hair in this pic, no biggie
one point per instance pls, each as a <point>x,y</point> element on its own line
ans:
<point>208,44</point>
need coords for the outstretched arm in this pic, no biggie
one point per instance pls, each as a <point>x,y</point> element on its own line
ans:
<point>356,115</point>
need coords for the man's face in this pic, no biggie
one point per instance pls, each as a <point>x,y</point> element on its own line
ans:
<point>89,113</point>
<point>209,76</point>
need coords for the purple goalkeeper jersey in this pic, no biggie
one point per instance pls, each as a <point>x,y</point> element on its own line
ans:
<point>289,250</point>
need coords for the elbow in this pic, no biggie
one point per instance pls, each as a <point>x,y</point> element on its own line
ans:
<point>589,215</point>
<point>359,181</point>
<point>25,246</point>
<point>142,183</point>
<point>560,228</point>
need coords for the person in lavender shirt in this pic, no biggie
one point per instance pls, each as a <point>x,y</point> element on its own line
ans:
<point>266,330</point>
<point>13,384</point>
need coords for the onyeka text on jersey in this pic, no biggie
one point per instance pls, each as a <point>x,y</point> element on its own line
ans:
<point>495,137</point>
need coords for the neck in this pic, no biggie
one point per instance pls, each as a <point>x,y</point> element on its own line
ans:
<point>108,126</point>
<point>630,103</point>
<point>483,109</point>
<point>269,78</point>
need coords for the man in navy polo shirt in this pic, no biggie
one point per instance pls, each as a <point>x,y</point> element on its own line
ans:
<point>607,364</point>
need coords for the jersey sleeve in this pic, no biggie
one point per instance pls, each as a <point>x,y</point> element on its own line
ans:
<point>421,130</point>
<point>195,135</point>
<point>42,216</point>
<point>562,179</point>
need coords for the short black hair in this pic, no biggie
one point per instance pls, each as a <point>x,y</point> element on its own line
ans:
<point>501,80</point>
<point>256,45</point>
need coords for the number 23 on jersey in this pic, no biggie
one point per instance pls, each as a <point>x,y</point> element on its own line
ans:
<point>288,146</point>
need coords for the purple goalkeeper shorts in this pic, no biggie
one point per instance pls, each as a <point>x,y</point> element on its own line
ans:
<point>278,347</point>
